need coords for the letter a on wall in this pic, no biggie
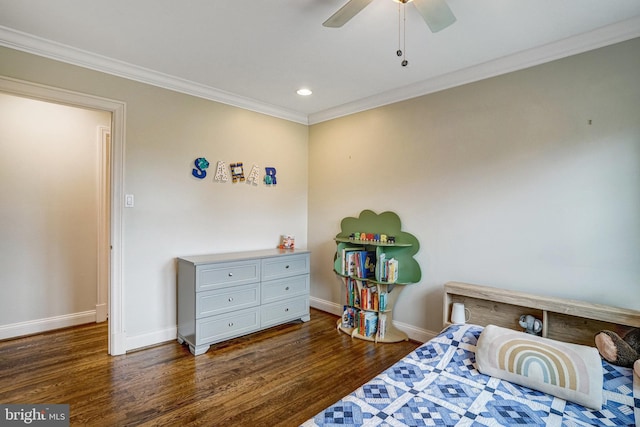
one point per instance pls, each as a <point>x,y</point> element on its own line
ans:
<point>221,172</point>
<point>254,175</point>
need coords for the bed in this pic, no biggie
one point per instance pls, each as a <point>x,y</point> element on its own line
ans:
<point>439,383</point>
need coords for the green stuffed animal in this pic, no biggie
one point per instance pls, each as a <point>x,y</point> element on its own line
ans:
<point>620,351</point>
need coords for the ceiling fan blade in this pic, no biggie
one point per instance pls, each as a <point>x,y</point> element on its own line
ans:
<point>345,13</point>
<point>436,14</point>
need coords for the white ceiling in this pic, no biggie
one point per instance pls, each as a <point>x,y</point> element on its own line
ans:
<point>255,54</point>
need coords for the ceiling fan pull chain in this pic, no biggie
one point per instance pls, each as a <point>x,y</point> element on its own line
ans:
<point>399,51</point>
<point>404,62</point>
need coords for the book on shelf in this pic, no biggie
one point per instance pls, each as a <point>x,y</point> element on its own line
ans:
<point>382,325</point>
<point>369,297</point>
<point>371,324</point>
<point>380,267</point>
<point>365,264</point>
<point>358,287</point>
<point>387,270</point>
<point>348,261</point>
<point>392,277</point>
<point>368,324</point>
<point>349,297</point>
<point>348,317</point>
<point>355,291</point>
<point>382,301</point>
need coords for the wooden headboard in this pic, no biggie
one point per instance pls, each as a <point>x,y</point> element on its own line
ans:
<point>563,319</point>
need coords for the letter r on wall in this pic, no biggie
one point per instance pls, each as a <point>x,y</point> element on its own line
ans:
<point>271,176</point>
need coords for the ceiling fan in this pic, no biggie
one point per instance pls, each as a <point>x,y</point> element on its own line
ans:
<point>436,13</point>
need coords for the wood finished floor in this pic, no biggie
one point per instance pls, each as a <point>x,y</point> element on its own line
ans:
<point>279,377</point>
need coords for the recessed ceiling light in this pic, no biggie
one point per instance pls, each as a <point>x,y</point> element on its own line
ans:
<point>304,92</point>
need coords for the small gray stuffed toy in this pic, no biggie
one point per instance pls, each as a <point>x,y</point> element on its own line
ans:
<point>530,324</point>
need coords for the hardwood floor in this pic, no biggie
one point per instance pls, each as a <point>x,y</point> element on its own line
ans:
<point>278,377</point>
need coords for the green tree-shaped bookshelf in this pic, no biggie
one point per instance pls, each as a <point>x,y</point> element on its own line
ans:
<point>377,301</point>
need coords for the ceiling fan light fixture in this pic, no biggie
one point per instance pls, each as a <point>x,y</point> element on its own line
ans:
<point>435,13</point>
<point>304,92</point>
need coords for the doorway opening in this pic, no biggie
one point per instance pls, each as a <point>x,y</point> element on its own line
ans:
<point>110,161</point>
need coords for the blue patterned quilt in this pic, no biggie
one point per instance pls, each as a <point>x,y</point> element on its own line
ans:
<point>438,385</point>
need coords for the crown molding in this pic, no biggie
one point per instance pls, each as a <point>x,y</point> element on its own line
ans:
<point>49,49</point>
<point>604,36</point>
<point>600,37</point>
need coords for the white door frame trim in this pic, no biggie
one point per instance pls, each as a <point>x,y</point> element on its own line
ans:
<point>117,334</point>
<point>103,191</point>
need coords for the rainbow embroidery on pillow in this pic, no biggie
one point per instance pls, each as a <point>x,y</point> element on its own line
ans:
<point>540,362</point>
<point>543,363</point>
<point>570,371</point>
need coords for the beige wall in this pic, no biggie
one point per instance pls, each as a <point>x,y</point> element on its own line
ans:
<point>504,182</point>
<point>49,214</point>
<point>176,214</point>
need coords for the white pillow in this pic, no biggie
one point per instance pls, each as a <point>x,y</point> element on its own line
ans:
<point>570,371</point>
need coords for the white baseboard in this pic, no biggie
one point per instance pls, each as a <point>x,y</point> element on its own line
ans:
<point>151,338</point>
<point>414,333</point>
<point>41,325</point>
<point>169,334</point>
<point>101,312</point>
<point>324,305</point>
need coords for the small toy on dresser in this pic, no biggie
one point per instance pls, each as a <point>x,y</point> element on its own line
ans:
<point>621,351</point>
<point>287,241</point>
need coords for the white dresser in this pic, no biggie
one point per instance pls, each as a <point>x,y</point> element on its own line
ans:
<point>222,296</point>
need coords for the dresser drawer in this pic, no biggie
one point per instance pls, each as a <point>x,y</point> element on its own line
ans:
<point>210,276</point>
<point>222,300</point>
<point>279,312</point>
<point>275,268</point>
<point>219,328</point>
<point>276,290</point>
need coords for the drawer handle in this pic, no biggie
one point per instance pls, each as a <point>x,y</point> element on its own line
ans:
<point>230,274</point>
<point>286,289</point>
<point>230,324</point>
<point>286,266</point>
<point>286,309</point>
<point>230,299</point>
